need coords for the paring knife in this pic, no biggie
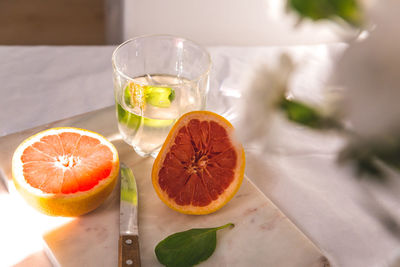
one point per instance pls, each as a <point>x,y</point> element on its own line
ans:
<point>128,251</point>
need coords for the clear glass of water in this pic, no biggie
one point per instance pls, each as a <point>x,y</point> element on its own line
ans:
<point>157,78</point>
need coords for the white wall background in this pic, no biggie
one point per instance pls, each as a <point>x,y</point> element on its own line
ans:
<point>225,22</point>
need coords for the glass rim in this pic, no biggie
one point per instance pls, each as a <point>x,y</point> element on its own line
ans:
<point>184,81</point>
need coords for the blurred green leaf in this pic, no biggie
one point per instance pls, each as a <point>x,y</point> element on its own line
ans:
<point>387,149</point>
<point>368,166</point>
<point>366,154</point>
<point>303,114</point>
<point>363,160</point>
<point>348,10</point>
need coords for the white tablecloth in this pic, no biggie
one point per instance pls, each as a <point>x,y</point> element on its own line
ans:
<point>298,171</point>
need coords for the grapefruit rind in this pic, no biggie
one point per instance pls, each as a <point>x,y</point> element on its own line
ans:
<point>228,193</point>
<point>60,204</point>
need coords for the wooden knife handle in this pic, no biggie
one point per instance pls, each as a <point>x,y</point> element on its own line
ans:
<point>128,251</point>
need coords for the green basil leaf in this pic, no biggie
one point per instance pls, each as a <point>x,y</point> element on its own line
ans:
<point>188,248</point>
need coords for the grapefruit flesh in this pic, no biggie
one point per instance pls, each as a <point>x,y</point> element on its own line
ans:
<point>65,171</point>
<point>200,166</point>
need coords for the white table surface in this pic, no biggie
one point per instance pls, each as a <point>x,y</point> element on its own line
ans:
<point>298,172</point>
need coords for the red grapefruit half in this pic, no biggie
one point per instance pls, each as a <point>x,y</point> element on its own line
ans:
<point>200,166</point>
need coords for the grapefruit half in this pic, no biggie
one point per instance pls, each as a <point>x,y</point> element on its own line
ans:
<point>200,166</point>
<point>65,171</point>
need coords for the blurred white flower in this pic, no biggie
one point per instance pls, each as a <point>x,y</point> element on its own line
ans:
<point>264,93</point>
<point>370,71</point>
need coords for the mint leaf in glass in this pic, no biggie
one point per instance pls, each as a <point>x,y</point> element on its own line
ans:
<point>159,96</point>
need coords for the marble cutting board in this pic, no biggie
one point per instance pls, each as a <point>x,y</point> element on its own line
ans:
<point>262,236</point>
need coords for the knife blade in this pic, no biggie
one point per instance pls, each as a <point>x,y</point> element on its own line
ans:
<point>128,245</point>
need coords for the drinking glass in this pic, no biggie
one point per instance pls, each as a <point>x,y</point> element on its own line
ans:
<point>157,78</point>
